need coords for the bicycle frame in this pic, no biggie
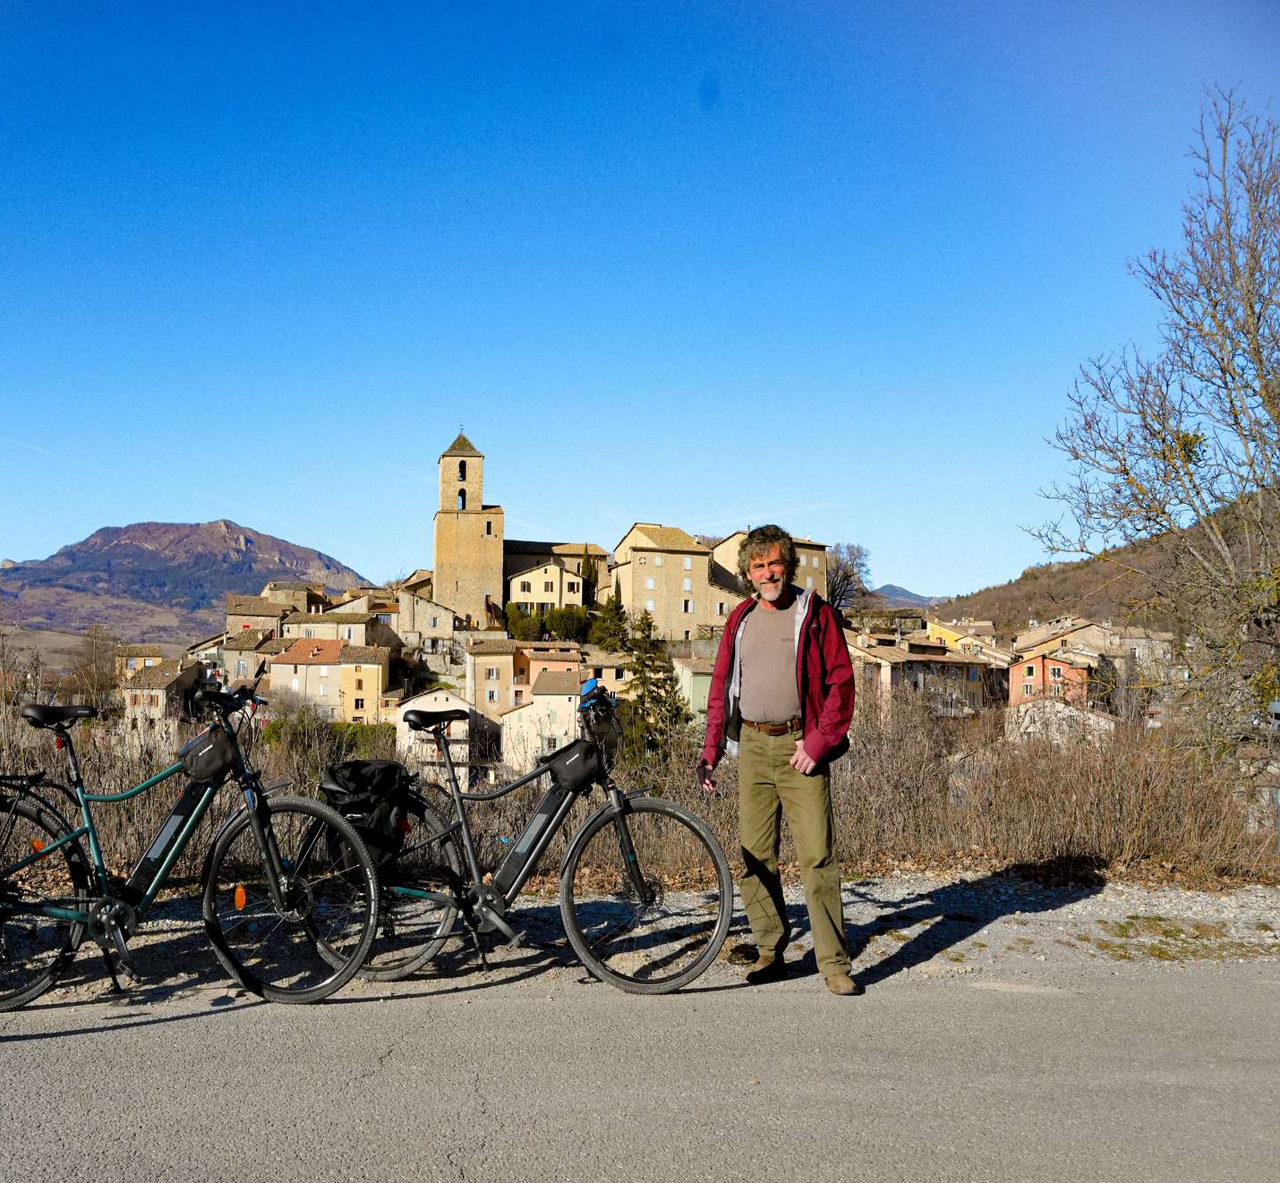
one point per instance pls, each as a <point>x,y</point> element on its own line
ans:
<point>144,884</point>
<point>519,864</point>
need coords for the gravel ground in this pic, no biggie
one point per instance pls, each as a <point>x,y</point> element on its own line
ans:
<point>981,929</point>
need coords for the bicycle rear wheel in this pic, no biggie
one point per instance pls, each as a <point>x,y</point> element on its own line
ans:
<point>416,910</point>
<point>655,929</point>
<point>35,950</point>
<point>310,947</point>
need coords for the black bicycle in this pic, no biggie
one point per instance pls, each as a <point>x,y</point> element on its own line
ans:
<point>289,891</point>
<point>646,894</point>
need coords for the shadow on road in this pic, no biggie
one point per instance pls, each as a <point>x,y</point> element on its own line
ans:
<point>956,912</point>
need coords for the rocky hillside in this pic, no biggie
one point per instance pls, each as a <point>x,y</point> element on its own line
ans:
<point>1112,589</point>
<point>156,581</point>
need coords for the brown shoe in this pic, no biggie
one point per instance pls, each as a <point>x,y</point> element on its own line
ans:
<point>842,984</point>
<point>765,969</point>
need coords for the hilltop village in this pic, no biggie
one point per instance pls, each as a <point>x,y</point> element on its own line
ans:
<point>503,628</point>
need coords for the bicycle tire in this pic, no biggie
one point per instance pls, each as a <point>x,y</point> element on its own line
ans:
<point>308,951</point>
<point>411,931</point>
<point>35,951</point>
<point>662,945</point>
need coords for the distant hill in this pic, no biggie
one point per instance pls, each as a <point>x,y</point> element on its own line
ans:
<point>1095,588</point>
<point>899,597</point>
<point>156,581</point>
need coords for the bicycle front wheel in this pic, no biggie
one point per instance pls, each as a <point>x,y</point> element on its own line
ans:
<point>654,924</point>
<point>35,949</point>
<point>311,942</point>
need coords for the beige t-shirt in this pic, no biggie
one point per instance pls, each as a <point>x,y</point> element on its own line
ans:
<point>769,693</point>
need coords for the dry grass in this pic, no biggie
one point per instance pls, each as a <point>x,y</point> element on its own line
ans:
<point>912,792</point>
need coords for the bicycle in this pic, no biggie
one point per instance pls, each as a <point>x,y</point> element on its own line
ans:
<point>289,892</point>
<point>645,889</point>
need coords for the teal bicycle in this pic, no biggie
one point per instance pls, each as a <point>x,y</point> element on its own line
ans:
<point>289,892</point>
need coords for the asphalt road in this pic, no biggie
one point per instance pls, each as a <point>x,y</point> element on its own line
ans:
<point>531,1072</point>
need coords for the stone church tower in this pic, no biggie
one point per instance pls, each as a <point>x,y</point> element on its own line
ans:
<point>468,538</point>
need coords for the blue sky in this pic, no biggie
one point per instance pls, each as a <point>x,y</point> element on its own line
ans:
<point>833,265</point>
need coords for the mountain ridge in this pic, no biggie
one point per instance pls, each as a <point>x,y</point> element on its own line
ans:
<point>157,581</point>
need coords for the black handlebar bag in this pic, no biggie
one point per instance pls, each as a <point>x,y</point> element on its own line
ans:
<point>373,795</point>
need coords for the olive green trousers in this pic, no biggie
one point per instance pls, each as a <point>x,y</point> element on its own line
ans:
<point>769,787</point>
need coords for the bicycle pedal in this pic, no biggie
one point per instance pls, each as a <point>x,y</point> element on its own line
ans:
<point>518,941</point>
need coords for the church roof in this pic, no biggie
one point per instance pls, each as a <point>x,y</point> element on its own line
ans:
<point>462,447</point>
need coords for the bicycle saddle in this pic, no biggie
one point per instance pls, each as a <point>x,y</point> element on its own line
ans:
<point>42,716</point>
<point>422,720</point>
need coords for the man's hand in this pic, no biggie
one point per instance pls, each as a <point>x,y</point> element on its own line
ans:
<point>705,783</point>
<point>801,761</point>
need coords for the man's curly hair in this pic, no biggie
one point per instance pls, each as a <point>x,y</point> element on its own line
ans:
<point>756,545</point>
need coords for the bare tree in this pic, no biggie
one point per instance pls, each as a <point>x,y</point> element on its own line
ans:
<point>1182,448</point>
<point>93,673</point>
<point>848,569</point>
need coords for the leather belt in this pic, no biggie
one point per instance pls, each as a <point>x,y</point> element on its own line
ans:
<point>773,728</point>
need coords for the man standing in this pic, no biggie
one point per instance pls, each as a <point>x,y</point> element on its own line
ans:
<point>781,700</point>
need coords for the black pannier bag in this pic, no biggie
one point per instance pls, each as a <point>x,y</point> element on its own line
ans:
<point>373,795</point>
<point>208,756</point>
<point>576,765</point>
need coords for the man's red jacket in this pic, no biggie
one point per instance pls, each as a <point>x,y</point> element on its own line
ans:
<point>824,679</point>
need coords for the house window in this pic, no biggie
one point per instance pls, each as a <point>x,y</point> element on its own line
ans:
<point>648,585</point>
<point>1063,643</point>
<point>324,671</point>
<point>657,560</point>
<point>324,686</point>
<point>359,682</point>
<point>572,586</point>
<point>491,673</point>
<point>519,696</point>
<point>548,586</point>
<point>802,561</point>
<point>132,663</point>
<point>306,632</point>
<point>1055,671</point>
<point>359,704</point>
<point>808,582</point>
<point>525,586</point>
<point>433,621</point>
<point>1056,690</point>
<point>648,605</point>
<point>350,633</point>
<point>294,685</point>
<point>598,672</point>
<point>719,607</point>
<point>1031,671</point>
<point>1026,691</point>
<point>242,668</point>
<point>973,673</point>
<point>491,696</point>
<point>488,527</point>
<point>462,500</point>
<point>686,606</point>
<point>688,584</point>
<point>688,562</point>
<point>462,470</point>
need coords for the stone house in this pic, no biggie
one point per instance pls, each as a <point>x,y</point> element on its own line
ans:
<point>300,597</point>
<point>247,612</point>
<point>882,664</point>
<point>417,749</point>
<point>353,628</point>
<point>611,670</point>
<point>423,624</point>
<point>585,561</point>
<point>158,692</point>
<point>693,680</point>
<point>129,659</point>
<point>544,587</point>
<point>547,721</point>
<point>341,682</point>
<point>665,572</point>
